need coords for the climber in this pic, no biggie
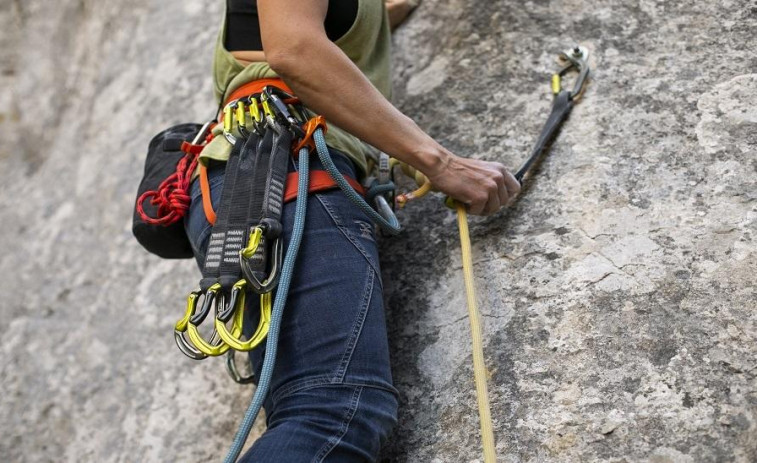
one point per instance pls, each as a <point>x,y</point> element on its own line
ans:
<point>331,396</point>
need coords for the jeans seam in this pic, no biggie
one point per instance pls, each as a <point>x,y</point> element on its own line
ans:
<point>357,328</point>
<point>299,386</point>
<point>324,382</point>
<point>336,438</point>
<point>347,234</point>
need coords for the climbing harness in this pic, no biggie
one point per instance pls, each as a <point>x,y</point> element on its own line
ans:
<point>266,124</point>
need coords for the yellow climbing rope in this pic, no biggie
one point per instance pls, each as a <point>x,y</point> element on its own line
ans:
<point>479,368</point>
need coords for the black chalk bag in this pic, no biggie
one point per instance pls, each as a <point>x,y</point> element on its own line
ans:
<point>163,155</point>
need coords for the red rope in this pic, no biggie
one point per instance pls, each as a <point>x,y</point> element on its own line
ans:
<point>172,196</point>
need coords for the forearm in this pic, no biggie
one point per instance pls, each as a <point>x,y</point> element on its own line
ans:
<point>324,78</point>
<point>398,10</point>
<point>327,82</point>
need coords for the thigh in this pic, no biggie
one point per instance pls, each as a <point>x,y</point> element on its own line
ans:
<point>333,330</point>
<point>332,423</point>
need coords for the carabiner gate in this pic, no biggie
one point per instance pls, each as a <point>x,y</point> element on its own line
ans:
<point>180,328</point>
<point>576,58</point>
<point>254,252</point>
<point>236,306</point>
<point>270,282</point>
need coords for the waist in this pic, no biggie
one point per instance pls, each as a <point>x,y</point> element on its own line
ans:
<point>231,113</point>
<point>320,181</point>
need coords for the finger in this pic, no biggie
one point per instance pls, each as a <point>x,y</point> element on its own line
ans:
<point>512,184</point>
<point>504,195</point>
<point>476,206</point>
<point>493,204</point>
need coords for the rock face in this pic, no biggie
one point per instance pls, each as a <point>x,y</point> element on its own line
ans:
<point>618,295</point>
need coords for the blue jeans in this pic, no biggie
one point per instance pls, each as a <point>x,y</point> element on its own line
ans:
<point>331,397</point>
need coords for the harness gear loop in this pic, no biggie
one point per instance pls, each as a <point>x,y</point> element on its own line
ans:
<point>207,205</point>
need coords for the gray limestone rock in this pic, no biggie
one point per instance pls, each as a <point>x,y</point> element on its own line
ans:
<point>618,295</point>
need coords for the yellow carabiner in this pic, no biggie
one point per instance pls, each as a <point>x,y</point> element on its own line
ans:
<point>252,245</point>
<point>240,115</point>
<point>227,118</point>
<point>232,339</point>
<point>208,348</point>
<point>181,325</point>
<point>186,347</point>
<point>267,108</point>
<point>255,110</point>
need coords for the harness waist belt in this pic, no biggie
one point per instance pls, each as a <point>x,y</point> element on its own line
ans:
<point>256,86</point>
<point>320,180</point>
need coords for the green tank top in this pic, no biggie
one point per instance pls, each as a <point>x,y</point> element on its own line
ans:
<point>366,43</point>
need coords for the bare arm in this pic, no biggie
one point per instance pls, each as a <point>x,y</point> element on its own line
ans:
<point>324,78</point>
<point>398,10</point>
